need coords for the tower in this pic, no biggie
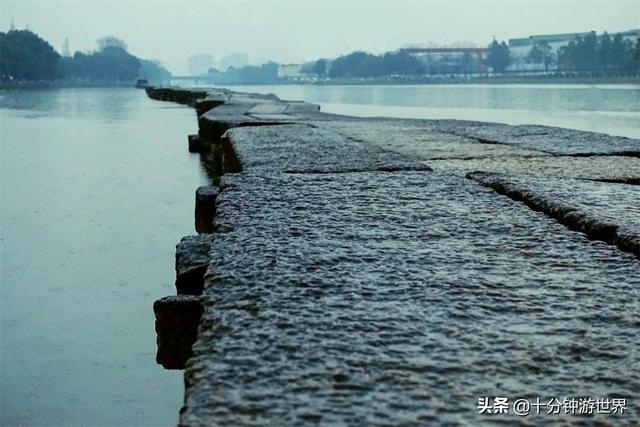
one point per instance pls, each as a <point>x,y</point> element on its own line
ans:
<point>65,47</point>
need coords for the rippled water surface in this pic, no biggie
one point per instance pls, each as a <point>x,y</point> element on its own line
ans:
<point>97,187</point>
<point>612,109</point>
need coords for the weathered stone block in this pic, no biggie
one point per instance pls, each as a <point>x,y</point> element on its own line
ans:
<point>198,145</point>
<point>192,260</point>
<point>205,208</point>
<point>177,319</point>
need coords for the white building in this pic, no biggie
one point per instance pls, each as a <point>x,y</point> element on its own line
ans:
<point>290,71</point>
<point>520,47</point>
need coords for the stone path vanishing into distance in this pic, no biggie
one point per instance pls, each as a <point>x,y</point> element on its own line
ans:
<point>373,271</point>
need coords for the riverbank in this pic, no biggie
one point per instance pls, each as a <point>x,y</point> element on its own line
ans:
<point>347,269</point>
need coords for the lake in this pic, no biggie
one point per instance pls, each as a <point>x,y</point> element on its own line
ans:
<point>97,188</point>
<point>612,109</point>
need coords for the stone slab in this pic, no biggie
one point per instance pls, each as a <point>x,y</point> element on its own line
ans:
<point>398,299</point>
<point>295,107</point>
<point>306,149</point>
<point>205,208</point>
<point>553,140</point>
<point>192,259</point>
<point>269,108</point>
<point>419,139</point>
<point>611,168</point>
<point>177,319</point>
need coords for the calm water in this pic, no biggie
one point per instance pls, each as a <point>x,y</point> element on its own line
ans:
<point>612,109</point>
<point>97,188</point>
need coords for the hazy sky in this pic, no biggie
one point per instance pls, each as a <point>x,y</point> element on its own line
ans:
<point>288,31</point>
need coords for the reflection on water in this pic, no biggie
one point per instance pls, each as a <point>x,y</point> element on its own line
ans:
<point>97,188</point>
<point>70,103</point>
<point>613,109</point>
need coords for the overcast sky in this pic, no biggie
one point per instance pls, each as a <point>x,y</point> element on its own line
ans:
<point>287,31</point>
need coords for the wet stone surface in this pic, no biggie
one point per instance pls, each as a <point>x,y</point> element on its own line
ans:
<point>548,139</point>
<point>242,109</point>
<point>391,298</point>
<point>610,209</point>
<point>205,208</point>
<point>620,168</point>
<point>302,148</point>
<point>192,259</point>
<point>177,319</point>
<point>418,139</point>
<point>348,284</point>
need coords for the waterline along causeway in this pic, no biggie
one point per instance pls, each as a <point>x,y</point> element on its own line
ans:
<point>354,271</point>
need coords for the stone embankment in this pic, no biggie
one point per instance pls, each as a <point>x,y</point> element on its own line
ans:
<point>353,271</point>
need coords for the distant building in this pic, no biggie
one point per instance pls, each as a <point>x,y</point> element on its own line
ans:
<point>290,72</point>
<point>449,60</point>
<point>520,47</point>
<point>236,60</point>
<point>200,64</point>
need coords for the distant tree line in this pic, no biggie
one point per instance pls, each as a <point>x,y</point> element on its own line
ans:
<point>588,53</point>
<point>362,64</point>
<point>24,56</point>
<point>366,65</point>
<point>249,74</point>
<point>604,53</point>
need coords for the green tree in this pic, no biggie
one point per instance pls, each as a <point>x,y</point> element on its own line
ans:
<point>153,71</point>
<point>587,57</point>
<point>111,41</point>
<point>113,64</point>
<point>541,53</point>
<point>635,56</point>
<point>318,68</point>
<point>25,56</point>
<point>110,64</point>
<point>618,53</point>
<point>401,63</point>
<point>498,56</point>
<point>604,51</point>
<point>357,64</point>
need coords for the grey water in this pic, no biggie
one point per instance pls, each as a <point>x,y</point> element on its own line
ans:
<point>97,187</point>
<point>611,109</point>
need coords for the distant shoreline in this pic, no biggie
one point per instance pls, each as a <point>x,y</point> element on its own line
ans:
<point>497,81</point>
<point>505,80</point>
<point>430,81</point>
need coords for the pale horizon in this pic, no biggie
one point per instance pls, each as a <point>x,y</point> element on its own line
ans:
<point>288,32</point>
